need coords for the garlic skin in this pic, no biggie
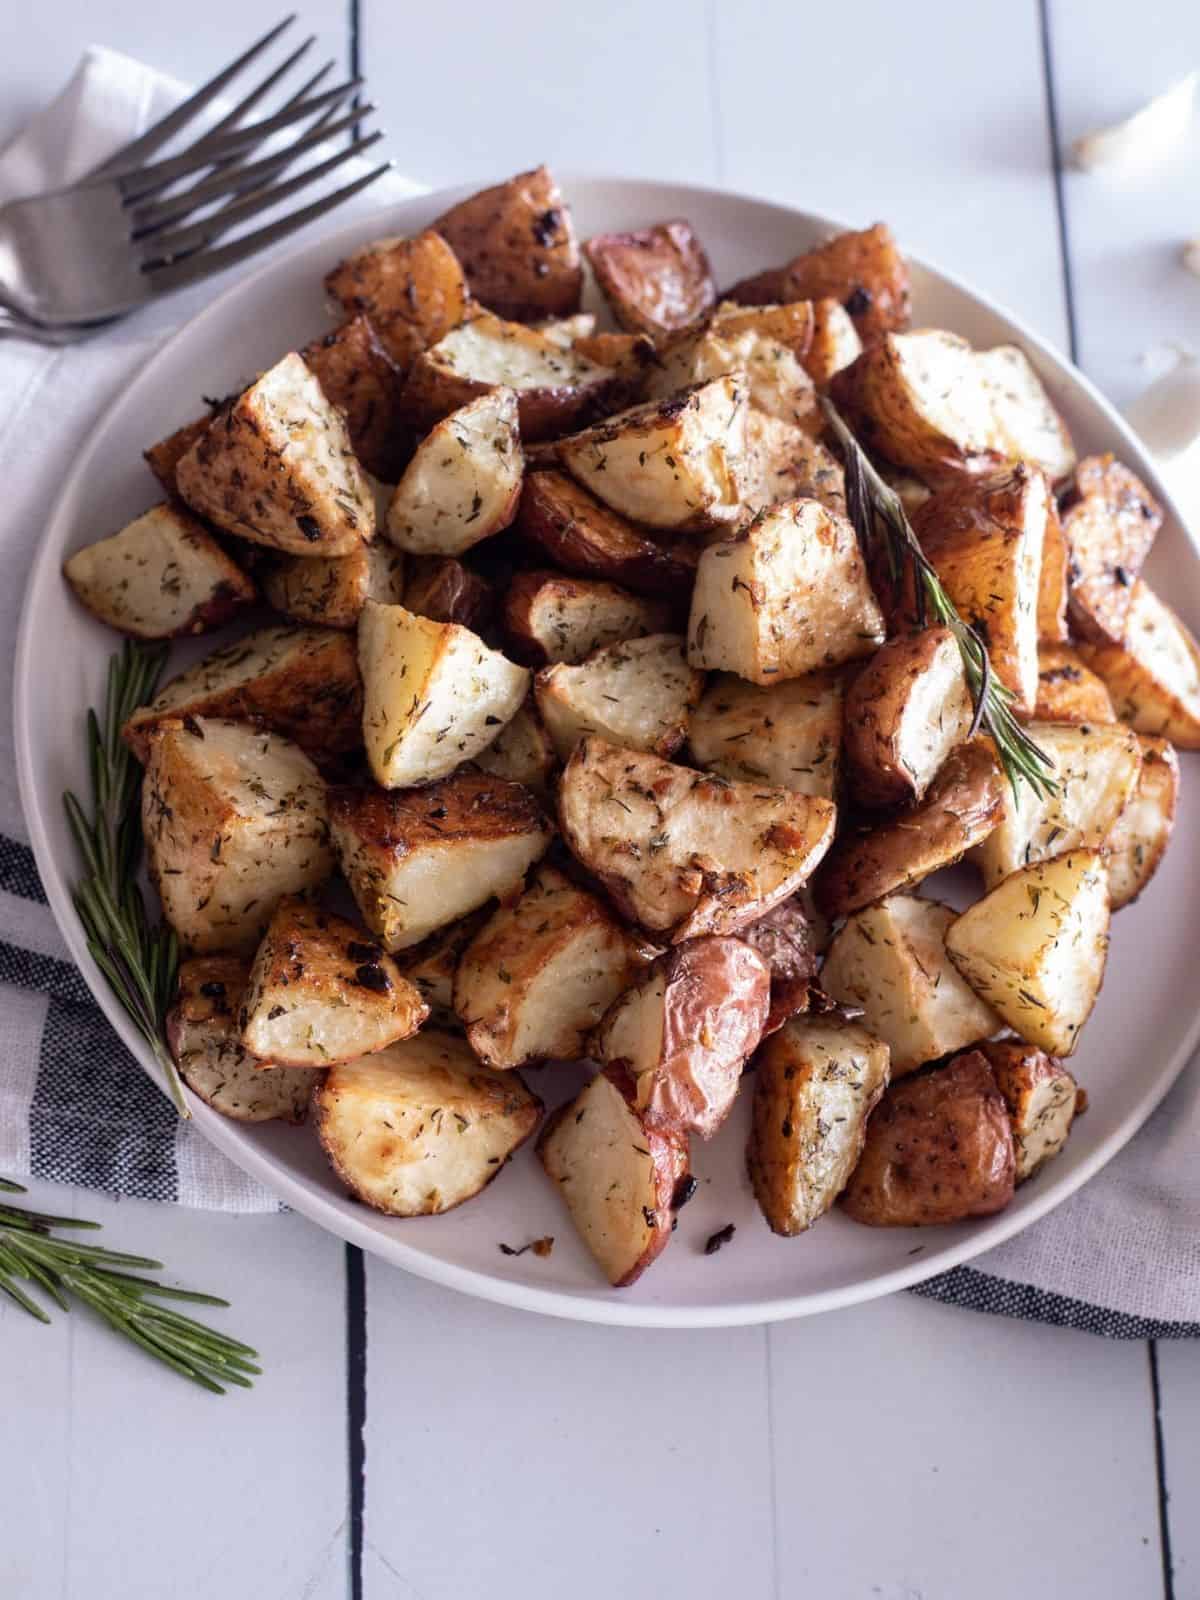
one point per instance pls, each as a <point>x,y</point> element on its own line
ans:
<point>1144,138</point>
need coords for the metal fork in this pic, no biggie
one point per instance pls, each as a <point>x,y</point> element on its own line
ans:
<point>77,258</point>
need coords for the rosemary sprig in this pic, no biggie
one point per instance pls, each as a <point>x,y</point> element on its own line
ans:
<point>140,961</point>
<point>102,1279</point>
<point>876,510</point>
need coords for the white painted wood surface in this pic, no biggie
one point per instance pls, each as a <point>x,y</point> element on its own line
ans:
<point>894,1450</point>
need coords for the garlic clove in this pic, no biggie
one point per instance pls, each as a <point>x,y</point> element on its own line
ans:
<point>1143,138</point>
<point>1166,415</point>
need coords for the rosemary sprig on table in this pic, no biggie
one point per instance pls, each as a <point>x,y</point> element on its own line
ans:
<point>877,513</point>
<point>102,1279</point>
<point>139,960</point>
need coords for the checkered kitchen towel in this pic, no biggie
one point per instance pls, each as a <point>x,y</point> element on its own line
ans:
<point>1122,1257</point>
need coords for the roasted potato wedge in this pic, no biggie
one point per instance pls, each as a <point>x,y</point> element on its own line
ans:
<point>321,991</point>
<point>419,1127</point>
<point>202,1036</point>
<point>765,344</point>
<point>442,589</point>
<point>863,271</point>
<point>522,751</point>
<point>430,968</point>
<point>1096,769</point>
<point>567,331</point>
<point>1028,428</point>
<point>161,577</point>
<point>906,711</point>
<point>835,341</point>
<point>413,291</point>
<point>1153,677</point>
<point>686,1029</point>
<point>656,280</point>
<point>277,468</point>
<point>585,537</point>
<point>816,1082</point>
<point>1068,691</point>
<point>517,247</point>
<point>616,1176</point>
<point>463,484</point>
<point>788,733</point>
<point>1138,841</point>
<point>358,375</point>
<point>686,854</point>
<point>787,597</point>
<point>639,694</point>
<point>783,462</point>
<point>434,695</point>
<point>787,941</point>
<point>164,457</point>
<point>234,819</point>
<point>417,859</point>
<point>962,806</point>
<point>1109,525</point>
<point>1052,584</point>
<point>541,972</point>
<point>549,617</point>
<point>1042,1099</point>
<point>300,682</point>
<point>939,1148</point>
<point>332,590</point>
<point>673,464</point>
<point>1035,947</point>
<point>890,958</point>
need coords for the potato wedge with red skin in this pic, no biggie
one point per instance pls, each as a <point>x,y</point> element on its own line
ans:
<point>1153,676</point>
<point>784,462</point>
<point>788,732</point>
<point>550,617</point>
<point>1042,1099</point>
<point>1109,522</point>
<point>1138,842</point>
<point>421,1126</point>
<point>816,1082</point>
<point>413,291</point>
<point>939,1148</point>
<point>764,344</point>
<point>1068,690</point>
<point>639,694</point>
<point>616,1175</point>
<point>522,751</point>
<point>1052,585</point>
<point>656,280</point>
<point>962,806</point>
<point>685,854</point>
<point>835,341</point>
<point>905,712</point>
<point>331,591</point>
<point>164,457</point>
<point>786,941</point>
<point>585,537</point>
<point>1028,427</point>
<point>431,965</point>
<point>862,270</point>
<point>357,374</point>
<point>517,247</point>
<point>444,590</point>
<point>685,1030</point>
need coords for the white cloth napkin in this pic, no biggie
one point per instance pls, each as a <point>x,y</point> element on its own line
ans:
<point>1122,1256</point>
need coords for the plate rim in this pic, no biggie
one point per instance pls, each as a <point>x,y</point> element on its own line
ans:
<point>604,1306</point>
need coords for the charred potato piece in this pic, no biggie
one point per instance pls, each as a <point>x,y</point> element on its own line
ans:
<point>443,590</point>
<point>164,457</point>
<point>639,694</point>
<point>202,1036</point>
<point>616,1175</point>
<point>1052,585</point>
<point>816,1082</point>
<point>1139,839</point>
<point>864,271</point>
<point>906,711</point>
<point>788,596</point>
<point>1067,690</point>
<point>358,375</point>
<point>835,341</point>
<point>1096,769</point>
<point>1035,947</point>
<point>332,590</point>
<point>788,733</point>
<point>685,1030</point>
<point>786,940</point>
<point>417,859</point>
<point>321,991</point>
<point>684,854</point>
<point>963,805</point>
<point>766,345</point>
<point>1154,675</point>
<point>1042,1099</point>
<point>234,819</point>
<point>540,973</point>
<point>586,538</point>
<point>939,1148</point>
<point>419,1127</point>
<point>549,617</point>
<point>161,577</point>
<point>890,958</point>
<point>301,682</point>
<point>464,482</point>
<point>413,291</point>
<point>430,968</point>
<point>783,462</point>
<point>277,468</point>
<point>434,695</point>
<point>521,751</point>
<point>1028,428</point>
<point>672,464</point>
<point>1109,525</point>
<point>517,247</point>
<point>656,280</point>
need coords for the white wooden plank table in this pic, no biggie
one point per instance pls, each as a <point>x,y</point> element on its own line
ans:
<point>409,1443</point>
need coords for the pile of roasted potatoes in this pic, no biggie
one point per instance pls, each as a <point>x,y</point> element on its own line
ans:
<point>575,672</point>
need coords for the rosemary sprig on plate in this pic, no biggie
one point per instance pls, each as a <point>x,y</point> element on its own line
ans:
<point>876,512</point>
<point>139,960</point>
<point>64,1270</point>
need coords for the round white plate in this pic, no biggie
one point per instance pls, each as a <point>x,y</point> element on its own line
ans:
<point>1145,1025</point>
